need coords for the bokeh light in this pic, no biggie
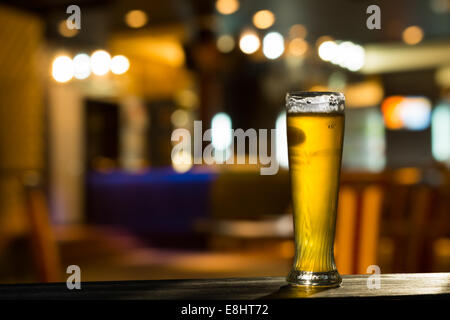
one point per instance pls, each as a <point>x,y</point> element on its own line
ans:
<point>227,6</point>
<point>323,39</point>
<point>221,135</point>
<point>340,55</point>
<point>411,113</point>
<point>412,35</point>
<point>440,6</point>
<point>297,47</point>
<point>263,19</point>
<point>273,45</point>
<point>391,112</point>
<point>182,161</point>
<point>298,31</point>
<point>136,18</point>
<point>327,50</point>
<point>249,42</point>
<point>179,118</point>
<point>354,58</point>
<point>415,113</point>
<point>100,62</point>
<point>225,43</point>
<point>186,98</point>
<point>345,54</point>
<point>119,64</point>
<point>66,32</point>
<point>62,69</point>
<point>82,66</point>
<point>440,132</point>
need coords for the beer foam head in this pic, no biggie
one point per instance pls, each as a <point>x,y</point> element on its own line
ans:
<point>316,102</point>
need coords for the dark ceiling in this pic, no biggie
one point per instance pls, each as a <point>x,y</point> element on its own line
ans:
<point>343,19</point>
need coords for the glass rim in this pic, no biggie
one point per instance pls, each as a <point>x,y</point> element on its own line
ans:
<point>313,93</point>
<point>315,102</point>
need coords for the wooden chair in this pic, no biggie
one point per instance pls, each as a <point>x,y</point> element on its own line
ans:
<point>45,249</point>
<point>416,216</point>
<point>358,222</point>
<point>56,246</point>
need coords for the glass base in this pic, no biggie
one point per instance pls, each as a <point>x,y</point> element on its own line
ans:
<point>317,279</point>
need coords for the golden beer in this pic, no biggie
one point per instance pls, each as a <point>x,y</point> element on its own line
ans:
<point>315,137</point>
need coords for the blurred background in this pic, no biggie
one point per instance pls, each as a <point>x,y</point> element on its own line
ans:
<point>86,117</point>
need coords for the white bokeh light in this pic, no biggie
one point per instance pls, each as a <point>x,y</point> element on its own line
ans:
<point>340,55</point>
<point>62,69</point>
<point>249,42</point>
<point>82,66</point>
<point>119,64</point>
<point>100,62</point>
<point>327,50</point>
<point>273,45</point>
<point>415,113</point>
<point>350,56</point>
<point>440,132</point>
<point>345,54</point>
<point>221,135</point>
<point>356,58</point>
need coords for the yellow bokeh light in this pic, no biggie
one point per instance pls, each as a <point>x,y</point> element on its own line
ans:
<point>298,31</point>
<point>263,19</point>
<point>82,66</point>
<point>187,99</point>
<point>225,43</point>
<point>136,18</point>
<point>181,161</point>
<point>119,64</point>
<point>249,42</point>
<point>323,39</point>
<point>412,35</point>
<point>179,118</point>
<point>100,62</point>
<point>297,47</point>
<point>227,6</point>
<point>62,69</point>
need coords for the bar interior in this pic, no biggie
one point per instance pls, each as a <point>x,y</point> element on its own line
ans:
<point>117,153</point>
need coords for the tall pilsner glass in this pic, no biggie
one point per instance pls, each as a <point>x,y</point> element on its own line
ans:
<point>315,129</point>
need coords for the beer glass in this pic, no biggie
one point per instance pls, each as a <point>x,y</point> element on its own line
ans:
<point>315,129</point>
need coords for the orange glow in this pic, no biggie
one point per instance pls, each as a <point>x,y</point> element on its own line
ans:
<point>319,88</point>
<point>298,47</point>
<point>66,32</point>
<point>412,35</point>
<point>227,6</point>
<point>363,94</point>
<point>391,112</point>
<point>263,19</point>
<point>322,39</point>
<point>287,249</point>
<point>298,31</point>
<point>408,176</point>
<point>136,18</point>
